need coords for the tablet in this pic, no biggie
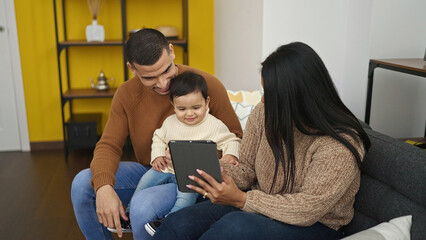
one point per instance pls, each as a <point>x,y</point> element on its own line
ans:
<point>188,156</point>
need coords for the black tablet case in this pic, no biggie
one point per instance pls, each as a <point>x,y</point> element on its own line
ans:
<point>187,156</point>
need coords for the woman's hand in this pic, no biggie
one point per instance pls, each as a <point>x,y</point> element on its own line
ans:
<point>226,192</point>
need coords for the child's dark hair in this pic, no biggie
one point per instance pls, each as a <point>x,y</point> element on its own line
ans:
<point>188,82</point>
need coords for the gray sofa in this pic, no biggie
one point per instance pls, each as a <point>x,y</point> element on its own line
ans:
<point>393,184</point>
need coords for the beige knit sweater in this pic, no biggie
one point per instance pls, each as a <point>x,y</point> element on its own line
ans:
<point>326,178</point>
<point>210,128</point>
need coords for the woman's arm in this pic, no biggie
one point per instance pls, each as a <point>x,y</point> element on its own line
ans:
<point>332,176</point>
<point>244,175</point>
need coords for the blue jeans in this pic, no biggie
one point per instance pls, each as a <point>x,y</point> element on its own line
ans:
<point>153,178</point>
<point>208,221</point>
<point>147,205</point>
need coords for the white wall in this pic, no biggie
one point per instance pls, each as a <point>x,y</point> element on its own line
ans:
<point>346,34</point>
<point>398,30</point>
<point>238,43</point>
<point>337,30</point>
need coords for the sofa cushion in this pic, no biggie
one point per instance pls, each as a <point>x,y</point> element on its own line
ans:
<point>393,180</point>
<point>395,229</point>
<point>243,103</point>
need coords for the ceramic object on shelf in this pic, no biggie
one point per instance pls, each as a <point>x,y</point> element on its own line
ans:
<point>168,31</point>
<point>95,32</point>
<point>103,83</point>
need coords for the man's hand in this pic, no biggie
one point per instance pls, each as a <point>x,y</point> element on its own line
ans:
<point>230,159</point>
<point>159,163</point>
<point>109,208</point>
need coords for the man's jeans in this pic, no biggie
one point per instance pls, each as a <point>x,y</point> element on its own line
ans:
<point>153,178</point>
<point>147,205</point>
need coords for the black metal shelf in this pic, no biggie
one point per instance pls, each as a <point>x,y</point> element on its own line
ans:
<point>88,93</point>
<point>70,94</point>
<point>81,43</point>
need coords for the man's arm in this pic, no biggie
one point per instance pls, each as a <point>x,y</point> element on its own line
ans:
<point>108,150</point>
<point>104,166</point>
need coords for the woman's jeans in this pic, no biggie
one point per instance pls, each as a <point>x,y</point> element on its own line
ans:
<point>154,178</point>
<point>147,205</point>
<point>208,221</point>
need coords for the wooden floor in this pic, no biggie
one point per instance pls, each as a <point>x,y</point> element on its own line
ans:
<point>35,200</point>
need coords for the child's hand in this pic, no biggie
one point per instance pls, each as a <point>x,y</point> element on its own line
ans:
<point>230,159</point>
<point>159,164</point>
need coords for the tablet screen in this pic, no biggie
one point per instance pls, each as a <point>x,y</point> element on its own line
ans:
<point>188,156</point>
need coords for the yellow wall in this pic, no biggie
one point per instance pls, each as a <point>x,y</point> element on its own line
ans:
<point>36,32</point>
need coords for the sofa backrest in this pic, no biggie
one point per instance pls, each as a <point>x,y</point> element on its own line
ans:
<point>393,184</point>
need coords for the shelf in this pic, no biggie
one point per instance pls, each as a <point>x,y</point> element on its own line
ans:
<point>68,96</point>
<point>83,43</point>
<point>88,93</point>
<point>109,43</point>
<point>179,42</point>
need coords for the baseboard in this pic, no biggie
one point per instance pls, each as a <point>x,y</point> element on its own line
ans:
<point>43,146</point>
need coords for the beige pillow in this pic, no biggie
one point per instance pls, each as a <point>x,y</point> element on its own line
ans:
<point>396,229</point>
<point>243,103</point>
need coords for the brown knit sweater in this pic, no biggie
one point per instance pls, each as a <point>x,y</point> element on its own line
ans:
<point>138,111</point>
<point>326,178</point>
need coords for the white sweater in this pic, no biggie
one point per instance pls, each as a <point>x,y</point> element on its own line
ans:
<point>210,128</point>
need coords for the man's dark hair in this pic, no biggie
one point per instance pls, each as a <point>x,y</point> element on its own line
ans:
<point>188,82</point>
<point>146,46</point>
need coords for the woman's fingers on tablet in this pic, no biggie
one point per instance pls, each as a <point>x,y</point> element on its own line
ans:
<point>205,187</point>
<point>207,177</point>
<point>211,180</point>
<point>197,189</point>
<point>201,191</point>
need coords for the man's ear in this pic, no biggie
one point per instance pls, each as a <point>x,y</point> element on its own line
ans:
<point>172,51</point>
<point>132,69</point>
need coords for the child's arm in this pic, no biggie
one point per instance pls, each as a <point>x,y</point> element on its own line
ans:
<point>158,150</point>
<point>230,159</point>
<point>228,143</point>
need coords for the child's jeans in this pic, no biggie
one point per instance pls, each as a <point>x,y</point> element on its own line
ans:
<point>153,178</point>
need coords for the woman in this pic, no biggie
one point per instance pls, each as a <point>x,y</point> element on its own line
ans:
<point>300,161</point>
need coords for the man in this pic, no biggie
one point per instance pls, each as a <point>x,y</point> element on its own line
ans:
<point>139,106</point>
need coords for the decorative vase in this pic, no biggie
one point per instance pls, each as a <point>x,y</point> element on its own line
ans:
<point>95,32</point>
